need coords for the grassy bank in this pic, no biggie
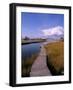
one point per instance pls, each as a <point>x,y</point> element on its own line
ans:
<point>55,57</point>
<point>27,64</point>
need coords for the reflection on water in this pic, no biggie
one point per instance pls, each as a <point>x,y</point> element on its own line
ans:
<point>29,49</point>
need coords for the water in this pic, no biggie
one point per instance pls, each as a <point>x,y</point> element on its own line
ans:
<point>30,49</point>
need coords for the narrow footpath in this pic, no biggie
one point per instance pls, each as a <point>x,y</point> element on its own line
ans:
<point>39,67</point>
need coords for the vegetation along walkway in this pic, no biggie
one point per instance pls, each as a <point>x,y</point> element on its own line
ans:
<point>39,67</point>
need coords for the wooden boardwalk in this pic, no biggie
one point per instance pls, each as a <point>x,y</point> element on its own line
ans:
<point>39,67</point>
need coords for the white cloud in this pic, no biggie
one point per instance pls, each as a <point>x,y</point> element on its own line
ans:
<point>58,30</point>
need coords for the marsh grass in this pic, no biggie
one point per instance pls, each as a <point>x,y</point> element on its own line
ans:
<point>27,64</point>
<point>55,57</point>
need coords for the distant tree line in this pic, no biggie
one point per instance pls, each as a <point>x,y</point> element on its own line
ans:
<point>26,38</point>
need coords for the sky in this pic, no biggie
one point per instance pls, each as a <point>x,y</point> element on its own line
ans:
<point>39,25</point>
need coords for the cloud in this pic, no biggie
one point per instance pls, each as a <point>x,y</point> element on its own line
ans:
<point>58,30</point>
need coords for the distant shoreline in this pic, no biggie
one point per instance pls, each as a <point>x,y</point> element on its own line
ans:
<point>32,41</point>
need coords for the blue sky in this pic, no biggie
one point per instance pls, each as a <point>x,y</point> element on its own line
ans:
<point>38,25</point>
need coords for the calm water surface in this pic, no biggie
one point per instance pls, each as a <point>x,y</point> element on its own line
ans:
<point>29,49</point>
